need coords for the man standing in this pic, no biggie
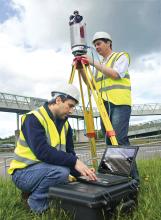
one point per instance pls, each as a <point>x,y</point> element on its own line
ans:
<point>44,155</point>
<point>113,81</point>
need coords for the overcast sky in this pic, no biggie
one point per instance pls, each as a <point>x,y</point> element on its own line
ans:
<point>35,49</point>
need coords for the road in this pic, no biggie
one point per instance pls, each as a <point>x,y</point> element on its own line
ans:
<point>83,153</point>
<point>143,153</point>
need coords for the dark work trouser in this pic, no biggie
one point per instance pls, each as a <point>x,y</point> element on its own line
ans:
<point>119,116</point>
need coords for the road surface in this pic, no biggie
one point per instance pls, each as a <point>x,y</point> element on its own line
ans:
<point>83,153</point>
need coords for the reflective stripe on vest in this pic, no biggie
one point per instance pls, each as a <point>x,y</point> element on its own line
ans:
<point>24,160</point>
<point>117,91</point>
<point>23,156</point>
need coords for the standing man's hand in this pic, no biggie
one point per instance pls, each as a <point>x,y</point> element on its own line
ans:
<point>85,171</point>
<point>88,58</point>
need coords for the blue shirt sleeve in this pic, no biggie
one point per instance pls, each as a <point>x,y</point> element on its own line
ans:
<point>34,134</point>
<point>69,141</point>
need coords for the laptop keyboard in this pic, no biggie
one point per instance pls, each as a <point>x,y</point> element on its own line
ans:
<point>102,178</point>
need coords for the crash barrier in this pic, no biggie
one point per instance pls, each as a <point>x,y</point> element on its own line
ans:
<point>4,164</point>
<point>145,153</point>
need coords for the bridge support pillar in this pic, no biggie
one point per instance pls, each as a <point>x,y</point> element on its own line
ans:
<point>17,132</point>
<point>80,137</point>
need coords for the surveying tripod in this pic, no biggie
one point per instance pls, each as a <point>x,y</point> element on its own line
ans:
<point>78,63</point>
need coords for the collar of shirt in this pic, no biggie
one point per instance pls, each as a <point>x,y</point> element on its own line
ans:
<point>58,122</point>
<point>105,60</point>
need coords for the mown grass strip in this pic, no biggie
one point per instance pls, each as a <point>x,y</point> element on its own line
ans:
<point>149,208</point>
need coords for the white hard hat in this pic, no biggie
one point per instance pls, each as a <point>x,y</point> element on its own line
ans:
<point>66,89</point>
<point>101,34</point>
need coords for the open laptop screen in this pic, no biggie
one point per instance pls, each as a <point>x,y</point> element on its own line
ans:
<point>118,160</point>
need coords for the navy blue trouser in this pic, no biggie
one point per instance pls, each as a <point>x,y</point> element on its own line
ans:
<point>37,179</point>
<point>119,116</point>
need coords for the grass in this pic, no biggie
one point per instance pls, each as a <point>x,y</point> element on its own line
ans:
<point>149,196</point>
<point>11,206</point>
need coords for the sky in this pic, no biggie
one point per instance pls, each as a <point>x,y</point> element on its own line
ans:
<point>35,52</point>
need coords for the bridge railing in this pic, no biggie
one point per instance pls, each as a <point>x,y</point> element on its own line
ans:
<point>146,109</point>
<point>18,103</point>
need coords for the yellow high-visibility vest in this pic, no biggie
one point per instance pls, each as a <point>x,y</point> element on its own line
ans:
<point>23,156</point>
<point>116,91</point>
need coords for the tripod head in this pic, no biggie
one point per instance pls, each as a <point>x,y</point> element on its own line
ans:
<point>78,61</point>
<point>77,34</point>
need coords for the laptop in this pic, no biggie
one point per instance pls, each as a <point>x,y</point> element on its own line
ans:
<point>115,166</point>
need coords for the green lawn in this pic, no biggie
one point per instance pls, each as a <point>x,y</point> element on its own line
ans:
<point>149,208</point>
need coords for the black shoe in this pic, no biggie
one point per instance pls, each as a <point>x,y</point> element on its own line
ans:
<point>24,198</point>
<point>25,195</point>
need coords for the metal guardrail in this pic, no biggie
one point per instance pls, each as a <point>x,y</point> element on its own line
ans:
<point>4,164</point>
<point>145,152</point>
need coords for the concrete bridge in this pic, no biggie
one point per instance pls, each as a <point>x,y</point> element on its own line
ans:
<point>148,128</point>
<point>22,104</point>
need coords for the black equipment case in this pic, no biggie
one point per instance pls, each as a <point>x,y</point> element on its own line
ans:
<point>90,202</point>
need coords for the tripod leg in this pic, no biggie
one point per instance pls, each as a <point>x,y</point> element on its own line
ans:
<point>91,131</point>
<point>72,74</point>
<point>100,105</point>
<point>88,117</point>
